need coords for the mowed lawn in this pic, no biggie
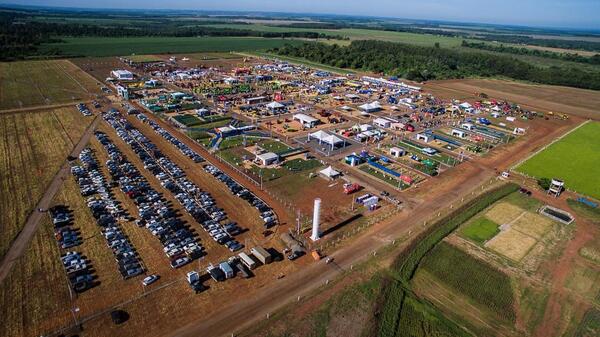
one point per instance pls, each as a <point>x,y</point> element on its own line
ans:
<point>32,148</point>
<point>109,46</point>
<point>34,83</point>
<point>574,159</point>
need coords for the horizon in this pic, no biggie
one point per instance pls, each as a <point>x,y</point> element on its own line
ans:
<point>584,24</point>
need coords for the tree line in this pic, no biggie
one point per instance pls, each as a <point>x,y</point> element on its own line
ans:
<point>21,38</point>
<point>419,63</point>
<point>572,57</point>
<point>552,43</point>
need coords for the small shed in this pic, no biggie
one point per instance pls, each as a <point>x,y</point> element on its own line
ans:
<point>370,107</point>
<point>267,159</point>
<point>397,152</point>
<point>423,137</point>
<point>275,106</point>
<point>459,133</point>
<point>382,123</point>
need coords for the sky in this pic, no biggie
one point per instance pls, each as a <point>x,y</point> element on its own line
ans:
<point>546,13</point>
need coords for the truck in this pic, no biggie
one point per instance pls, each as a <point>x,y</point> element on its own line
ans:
<point>294,245</point>
<point>483,120</point>
<point>216,273</point>
<point>247,260</point>
<point>227,270</point>
<point>351,188</point>
<point>262,255</point>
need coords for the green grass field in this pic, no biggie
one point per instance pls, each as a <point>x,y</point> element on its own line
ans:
<point>480,230</point>
<point>274,146</point>
<point>573,159</point>
<point>107,46</point>
<point>482,283</point>
<point>356,34</point>
<point>188,120</point>
<point>34,83</point>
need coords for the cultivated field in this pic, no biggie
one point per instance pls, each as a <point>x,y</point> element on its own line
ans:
<point>106,46</point>
<point>33,146</point>
<point>32,83</point>
<point>573,159</point>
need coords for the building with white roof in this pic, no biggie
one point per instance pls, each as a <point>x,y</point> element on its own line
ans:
<point>306,120</point>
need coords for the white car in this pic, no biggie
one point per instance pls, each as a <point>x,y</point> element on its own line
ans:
<point>148,280</point>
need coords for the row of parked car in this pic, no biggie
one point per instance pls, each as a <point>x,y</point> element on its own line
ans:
<point>198,203</point>
<point>172,139</point>
<point>179,243</point>
<point>266,213</point>
<point>79,271</point>
<point>83,109</point>
<point>106,210</point>
<point>65,234</point>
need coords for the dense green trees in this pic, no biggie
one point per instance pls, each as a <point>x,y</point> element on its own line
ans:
<point>533,52</point>
<point>427,63</point>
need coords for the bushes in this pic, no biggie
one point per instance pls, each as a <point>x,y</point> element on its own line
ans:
<point>544,183</point>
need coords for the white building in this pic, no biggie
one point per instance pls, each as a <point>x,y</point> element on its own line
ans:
<point>397,152</point>
<point>306,120</point>
<point>382,123</point>
<point>370,107</point>
<point>122,75</point>
<point>324,137</point>
<point>267,159</point>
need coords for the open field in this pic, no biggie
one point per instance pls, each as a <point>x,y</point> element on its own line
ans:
<point>573,159</point>
<point>105,46</point>
<point>480,230</point>
<point>357,34</point>
<point>31,83</point>
<point>578,102</point>
<point>33,146</point>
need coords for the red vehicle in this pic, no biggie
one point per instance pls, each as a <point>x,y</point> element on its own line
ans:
<point>410,128</point>
<point>351,188</point>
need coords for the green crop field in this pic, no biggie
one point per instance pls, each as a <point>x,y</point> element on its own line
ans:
<point>480,230</point>
<point>573,159</point>
<point>357,34</point>
<point>108,46</point>
<point>188,120</point>
<point>34,83</point>
<point>475,279</point>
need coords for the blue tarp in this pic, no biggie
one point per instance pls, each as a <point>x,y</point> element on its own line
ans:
<point>384,169</point>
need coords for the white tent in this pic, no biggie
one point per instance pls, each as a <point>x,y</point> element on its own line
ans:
<point>345,107</point>
<point>275,105</point>
<point>329,173</point>
<point>370,107</point>
<point>465,105</point>
<point>324,137</point>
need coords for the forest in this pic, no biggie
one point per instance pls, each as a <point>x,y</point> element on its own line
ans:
<point>428,63</point>
<point>572,57</point>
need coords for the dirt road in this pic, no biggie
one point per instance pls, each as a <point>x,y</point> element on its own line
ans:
<point>20,244</point>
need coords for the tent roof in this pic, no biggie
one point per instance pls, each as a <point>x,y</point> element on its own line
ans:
<point>267,156</point>
<point>371,106</point>
<point>275,105</point>
<point>325,137</point>
<point>329,172</point>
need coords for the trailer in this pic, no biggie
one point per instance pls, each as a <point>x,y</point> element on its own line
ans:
<point>241,267</point>
<point>227,270</point>
<point>247,260</point>
<point>262,255</point>
<point>351,188</point>
<point>216,273</point>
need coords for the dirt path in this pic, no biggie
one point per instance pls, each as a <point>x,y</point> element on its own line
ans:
<point>550,325</point>
<point>20,244</point>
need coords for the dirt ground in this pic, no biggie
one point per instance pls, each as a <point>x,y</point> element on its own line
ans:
<point>572,101</point>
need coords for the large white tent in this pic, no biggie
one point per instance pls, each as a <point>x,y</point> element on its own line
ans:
<point>329,173</point>
<point>324,137</point>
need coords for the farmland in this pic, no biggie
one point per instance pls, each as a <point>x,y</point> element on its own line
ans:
<point>32,83</point>
<point>482,283</point>
<point>104,46</point>
<point>573,159</point>
<point>34,146</point>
